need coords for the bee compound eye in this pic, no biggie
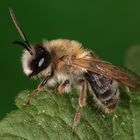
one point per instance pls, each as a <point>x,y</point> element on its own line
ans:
<point>41,62</point>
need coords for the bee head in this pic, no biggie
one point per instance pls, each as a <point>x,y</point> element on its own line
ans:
<point>35,60</point>
<point>35,57</point>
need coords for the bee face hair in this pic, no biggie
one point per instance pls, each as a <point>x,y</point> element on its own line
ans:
<point>38,61</point>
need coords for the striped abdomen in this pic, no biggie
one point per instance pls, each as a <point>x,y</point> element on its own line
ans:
<point>105,90</point>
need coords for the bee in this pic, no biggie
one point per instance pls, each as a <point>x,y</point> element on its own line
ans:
<point>62,63</point>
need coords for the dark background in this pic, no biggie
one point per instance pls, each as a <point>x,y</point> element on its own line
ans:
<point>107,27</point>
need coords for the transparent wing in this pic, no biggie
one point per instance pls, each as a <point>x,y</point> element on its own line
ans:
<point>121,75</point>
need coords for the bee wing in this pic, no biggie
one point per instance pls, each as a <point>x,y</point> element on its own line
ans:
<point>121,75</point>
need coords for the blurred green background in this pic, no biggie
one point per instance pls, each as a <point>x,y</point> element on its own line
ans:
<point>107,27</point>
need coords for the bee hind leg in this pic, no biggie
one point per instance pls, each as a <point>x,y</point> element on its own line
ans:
<point>81,104</point>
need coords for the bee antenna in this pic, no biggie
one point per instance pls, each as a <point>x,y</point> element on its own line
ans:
<point>24,45</point>
<point>20,31</point>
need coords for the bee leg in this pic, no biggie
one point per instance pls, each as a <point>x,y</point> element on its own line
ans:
<point>40,87</point>
<point>82,103</point>
<point>63,87</point>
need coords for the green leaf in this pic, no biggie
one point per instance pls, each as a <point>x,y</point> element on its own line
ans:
<point>50,117</point>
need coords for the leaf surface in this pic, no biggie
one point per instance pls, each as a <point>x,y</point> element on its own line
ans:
<point>50,117</point>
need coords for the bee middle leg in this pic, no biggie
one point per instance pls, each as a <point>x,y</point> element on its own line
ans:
<point>81,104</point>
<point>64,87</point>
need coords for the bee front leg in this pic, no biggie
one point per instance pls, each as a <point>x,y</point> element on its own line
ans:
<point>40,88</point>
<point>82,103</point>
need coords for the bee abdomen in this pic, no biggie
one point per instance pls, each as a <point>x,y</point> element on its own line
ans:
<point>105,90</point>
<point>109,102</point>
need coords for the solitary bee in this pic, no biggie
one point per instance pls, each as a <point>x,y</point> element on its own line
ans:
<point>62,63</point>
